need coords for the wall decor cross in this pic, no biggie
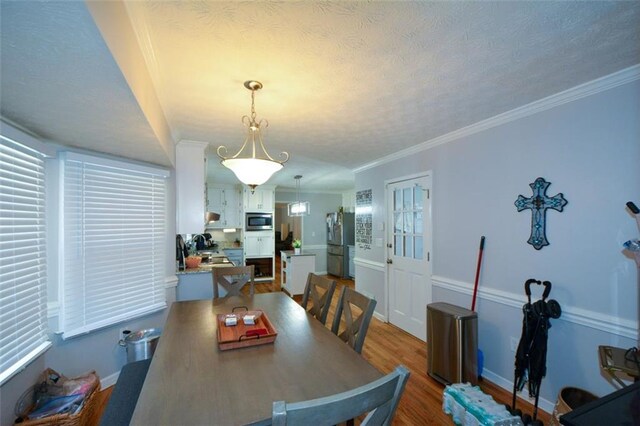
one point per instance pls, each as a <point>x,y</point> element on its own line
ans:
<point>539,203</point>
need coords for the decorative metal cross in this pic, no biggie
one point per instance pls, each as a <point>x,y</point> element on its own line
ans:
<point>539,203</point>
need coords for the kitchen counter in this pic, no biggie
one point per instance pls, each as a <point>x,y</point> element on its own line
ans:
<point>218,261</point>
<point>204,268</point>
<point>290,253</point>
<point>295,270</point>
<point>197,283</point>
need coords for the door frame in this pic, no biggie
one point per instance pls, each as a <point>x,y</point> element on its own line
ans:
<point>428,219</point>
<point>283,205</point>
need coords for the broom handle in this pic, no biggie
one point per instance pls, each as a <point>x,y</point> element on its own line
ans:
<point>475,285</point>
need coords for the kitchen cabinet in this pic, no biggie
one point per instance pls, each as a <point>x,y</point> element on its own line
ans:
<point>259,244</point>
<point>235,255</point>
<point>261,200</point>
<point>295,270</point>
<point>190,187</point>
<point>224,200</point>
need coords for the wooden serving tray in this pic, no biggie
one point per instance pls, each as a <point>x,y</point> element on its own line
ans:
<point>241,335</point>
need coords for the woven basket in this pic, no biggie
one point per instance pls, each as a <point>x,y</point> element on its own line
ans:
<point>568,400</point>
<point>80,419</point>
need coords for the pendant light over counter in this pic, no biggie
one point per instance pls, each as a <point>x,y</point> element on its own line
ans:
<point>252,164</point>
<point>298,208</point>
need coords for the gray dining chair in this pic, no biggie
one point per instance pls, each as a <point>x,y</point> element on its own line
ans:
<point>319,291</point>
<point>379,399</point>
<point>356,325</point>
<point>232,279</point>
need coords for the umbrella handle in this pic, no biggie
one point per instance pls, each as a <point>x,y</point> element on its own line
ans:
<point>547,289</point>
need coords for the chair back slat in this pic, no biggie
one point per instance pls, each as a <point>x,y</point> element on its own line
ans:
<point>356,326</point>
<point>232,279</point>
<point>379,399</point>
<point>320,301</point>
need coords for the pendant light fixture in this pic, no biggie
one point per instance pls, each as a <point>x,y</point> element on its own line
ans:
<point>298,208</point>
<point>252,164</point>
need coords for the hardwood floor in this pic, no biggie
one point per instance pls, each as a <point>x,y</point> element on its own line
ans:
<point>385,347</point>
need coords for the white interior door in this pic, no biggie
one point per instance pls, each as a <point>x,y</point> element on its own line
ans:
<point>408,253</point>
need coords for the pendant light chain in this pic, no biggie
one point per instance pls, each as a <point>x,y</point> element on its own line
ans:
<point>297,178</point>
<point>253,106</point>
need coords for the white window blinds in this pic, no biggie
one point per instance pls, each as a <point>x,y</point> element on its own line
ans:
<point>23,309</point>
<point>114,240</point>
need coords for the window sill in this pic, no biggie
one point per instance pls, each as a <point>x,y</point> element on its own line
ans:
<point>24,362</point>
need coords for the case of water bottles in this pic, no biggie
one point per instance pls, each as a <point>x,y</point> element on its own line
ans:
<point>469,406</point>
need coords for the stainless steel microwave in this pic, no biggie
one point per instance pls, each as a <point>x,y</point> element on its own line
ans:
<point>259,222</point>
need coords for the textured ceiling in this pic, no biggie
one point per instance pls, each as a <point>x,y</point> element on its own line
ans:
<point>345,83</point>
<point>58,80</point>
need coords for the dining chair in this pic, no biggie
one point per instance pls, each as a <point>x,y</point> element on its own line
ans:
<point>356,325</point>
<point>379,399</point>
<point>320,301</point>
<point>232,279</point>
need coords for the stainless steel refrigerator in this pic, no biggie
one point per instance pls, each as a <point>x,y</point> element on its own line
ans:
<point>340,234</point>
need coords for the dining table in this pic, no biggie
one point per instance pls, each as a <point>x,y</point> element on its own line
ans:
<point>191,381</point>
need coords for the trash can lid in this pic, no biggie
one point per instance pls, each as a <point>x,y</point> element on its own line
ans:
<point>456,311</point>
<point>143,335</point>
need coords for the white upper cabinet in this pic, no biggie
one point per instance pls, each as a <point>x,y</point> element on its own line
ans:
<point>261,200</point>
<point>190,188</point>
<point>225,200</point>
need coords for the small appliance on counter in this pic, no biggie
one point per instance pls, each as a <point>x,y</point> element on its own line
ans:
<point>203,242</point>
<point>182,252</point>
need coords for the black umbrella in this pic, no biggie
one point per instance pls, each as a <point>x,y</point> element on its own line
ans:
<point>531,356</point>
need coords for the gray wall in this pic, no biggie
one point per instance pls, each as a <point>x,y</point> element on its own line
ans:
<point>589,150</point>
<point>98,350</point>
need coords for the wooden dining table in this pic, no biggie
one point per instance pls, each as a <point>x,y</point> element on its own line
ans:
<point>192,382</point>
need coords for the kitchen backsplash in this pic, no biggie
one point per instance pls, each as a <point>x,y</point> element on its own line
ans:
<point>225,239</point>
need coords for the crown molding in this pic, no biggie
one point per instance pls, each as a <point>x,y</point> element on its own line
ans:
<point>589,88</point>
<point>307,191</point>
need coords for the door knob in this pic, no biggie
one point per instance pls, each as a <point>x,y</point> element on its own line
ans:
<point>389,261</point>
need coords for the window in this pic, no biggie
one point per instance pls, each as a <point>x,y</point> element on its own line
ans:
<point>408,233</point>
<point>113,242</point>
<point>23,293</point>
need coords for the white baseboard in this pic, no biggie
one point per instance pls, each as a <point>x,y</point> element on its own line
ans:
<point>110,380</point>
<point>380,316</point>
<point>543,404</point>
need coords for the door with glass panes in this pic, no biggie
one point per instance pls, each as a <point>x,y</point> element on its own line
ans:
<point>408,253</point>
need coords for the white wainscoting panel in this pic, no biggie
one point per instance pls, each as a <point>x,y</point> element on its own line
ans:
<point>607,323</point>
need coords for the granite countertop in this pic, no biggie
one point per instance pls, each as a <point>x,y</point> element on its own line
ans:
<point>203,268</point>
<point>221,261</point>
<point>290,253</point>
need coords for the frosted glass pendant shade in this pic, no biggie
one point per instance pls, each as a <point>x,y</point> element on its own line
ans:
<point>299,208</point>
<point>252,171</point>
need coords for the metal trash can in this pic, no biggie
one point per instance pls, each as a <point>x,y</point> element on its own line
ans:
<point>140,344</point>
<point>452,348</point>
